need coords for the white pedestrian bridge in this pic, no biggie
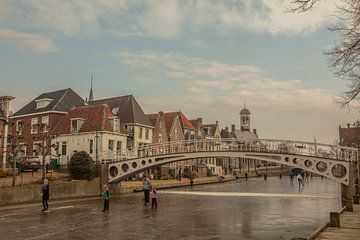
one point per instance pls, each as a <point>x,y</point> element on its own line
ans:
<point>331,161</point>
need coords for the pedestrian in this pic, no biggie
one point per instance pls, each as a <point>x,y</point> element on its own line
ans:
<point>147,188</point>
<point>106,198</point>
<point>45,195</point>
<point>300,180</point>
<point>191,178</point>
<point>154,198</point>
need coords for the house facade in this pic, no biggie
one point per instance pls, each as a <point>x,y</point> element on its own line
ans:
<point>133,121</point>
<point>39,118</point>
<point>167,128</point>
<point>93,129</point>
<point>211,133</point>
<point>349,136</point>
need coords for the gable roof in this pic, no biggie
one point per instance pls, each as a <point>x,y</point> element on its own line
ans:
<point>169,119</point>
<point>185,122</point>
<point>62,100</point>
<point>129,111</point>
<point>96,118</point>
<point>212,128</point>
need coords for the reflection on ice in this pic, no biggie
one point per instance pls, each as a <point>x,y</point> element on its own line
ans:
<point>247,194</point>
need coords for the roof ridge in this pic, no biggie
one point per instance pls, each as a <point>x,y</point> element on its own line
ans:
<point>110,98</point>
<point>67,90</point>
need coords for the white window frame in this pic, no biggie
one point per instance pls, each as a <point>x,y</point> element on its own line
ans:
<point>34,121</point>
<point>45,120</point>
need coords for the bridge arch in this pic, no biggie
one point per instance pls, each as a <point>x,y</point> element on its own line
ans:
<point>337,170</point>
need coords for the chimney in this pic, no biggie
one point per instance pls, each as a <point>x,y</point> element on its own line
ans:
<point>217,122</point>
<point>254,130</point>
<point>5,105</point>
<point>226,128</point>
<point>348,125</point>
<point>233,127</point>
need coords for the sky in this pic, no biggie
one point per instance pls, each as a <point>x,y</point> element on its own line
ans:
<point>205,58</point>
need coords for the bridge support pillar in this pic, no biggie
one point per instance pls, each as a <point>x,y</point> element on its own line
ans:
<point>347,191</point>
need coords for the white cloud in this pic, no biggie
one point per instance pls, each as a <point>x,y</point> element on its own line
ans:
<point>217,90</point>
<point>27,41</point>
<point>163,18</point>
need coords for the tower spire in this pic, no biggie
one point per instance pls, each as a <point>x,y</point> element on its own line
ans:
<point>91,94</point>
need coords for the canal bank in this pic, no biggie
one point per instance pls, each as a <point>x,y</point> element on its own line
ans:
<point>346,226</point>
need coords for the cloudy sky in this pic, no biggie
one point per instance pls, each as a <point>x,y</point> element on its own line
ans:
<point>205,58</point>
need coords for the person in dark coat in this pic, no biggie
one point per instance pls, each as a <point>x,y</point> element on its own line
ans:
<point>45,195</point>
<point>106,198</point>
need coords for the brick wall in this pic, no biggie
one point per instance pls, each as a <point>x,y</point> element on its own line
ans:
<point>29,138</point>
<point>2,136</point>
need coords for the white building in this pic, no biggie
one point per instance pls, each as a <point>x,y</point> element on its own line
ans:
<point>93,129</point>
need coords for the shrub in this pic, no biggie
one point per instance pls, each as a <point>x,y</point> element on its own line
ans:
<point>81,166</point>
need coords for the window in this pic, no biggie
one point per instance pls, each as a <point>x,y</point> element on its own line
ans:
<point>111,145</point>
<point>147,134</point>
<point>160,138</point>
<point>91,147</point>
<point>140,133</point>
<point>36,148</point>
<point>74,126</point>
<point>19,127</point>
<point>115,124</point>
<point>63,148</point>
<point>45,121</point>
<point>176,135</point>
<point>34,127</point>
<point>42,103</point>
<point>118,146</point>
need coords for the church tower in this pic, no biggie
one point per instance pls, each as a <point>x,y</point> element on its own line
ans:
<point>91,94</point>
<point>245,119</point>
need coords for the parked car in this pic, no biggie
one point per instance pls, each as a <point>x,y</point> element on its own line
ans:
<point>28,163</point>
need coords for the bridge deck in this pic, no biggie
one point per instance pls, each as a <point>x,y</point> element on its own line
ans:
<point>350,227</point>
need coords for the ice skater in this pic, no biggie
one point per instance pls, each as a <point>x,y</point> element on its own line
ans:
<point>300,180</point>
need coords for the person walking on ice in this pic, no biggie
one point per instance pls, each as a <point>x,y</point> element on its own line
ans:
<point>45,195</point>
<point>106,198</point>
<point>154,198</point>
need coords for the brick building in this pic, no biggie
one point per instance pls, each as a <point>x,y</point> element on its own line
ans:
<point>349,136</point>
<point>47,109</point>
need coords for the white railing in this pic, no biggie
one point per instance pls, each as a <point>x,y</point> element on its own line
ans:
<point>261,145</point>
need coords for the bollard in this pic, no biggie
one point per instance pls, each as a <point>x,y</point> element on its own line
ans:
<point>334,219</point>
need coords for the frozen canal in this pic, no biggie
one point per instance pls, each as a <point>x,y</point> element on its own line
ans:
<point>275,209</point>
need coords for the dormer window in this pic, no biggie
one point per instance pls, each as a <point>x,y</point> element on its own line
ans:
<point>43,103</point>
<point>115,124</point>
<point>115,110</point>
<point>75,124</point>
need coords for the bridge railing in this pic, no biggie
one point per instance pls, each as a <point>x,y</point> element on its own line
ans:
<point>260,145</point>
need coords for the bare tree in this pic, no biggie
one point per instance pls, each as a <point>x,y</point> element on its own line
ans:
<point>345,54</point>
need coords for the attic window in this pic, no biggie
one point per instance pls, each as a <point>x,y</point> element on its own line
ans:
<point>76,124</point>
<point>115,124</point>
<point>115,110</point>
<point>42,103</point>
